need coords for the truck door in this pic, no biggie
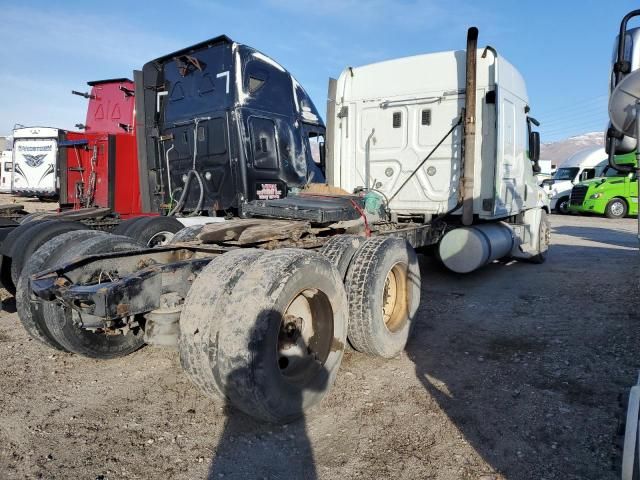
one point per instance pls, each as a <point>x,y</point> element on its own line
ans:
<point>511,132</point>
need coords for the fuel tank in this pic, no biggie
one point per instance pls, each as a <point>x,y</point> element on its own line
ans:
<point>466,249</point>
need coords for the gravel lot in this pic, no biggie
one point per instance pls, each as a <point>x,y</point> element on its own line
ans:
<point>517,371</point>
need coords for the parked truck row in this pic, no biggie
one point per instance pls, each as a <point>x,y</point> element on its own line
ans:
<point>585,183</point>
<point>300,238</point>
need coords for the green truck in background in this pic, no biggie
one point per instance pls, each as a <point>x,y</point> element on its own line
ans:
<point>614,194</point>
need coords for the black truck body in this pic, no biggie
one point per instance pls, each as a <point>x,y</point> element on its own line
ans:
<point>234,117</point>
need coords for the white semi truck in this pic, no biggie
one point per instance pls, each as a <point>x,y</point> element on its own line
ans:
<point>433,150</point>
<point>390,116</point>
<point>35,162</point>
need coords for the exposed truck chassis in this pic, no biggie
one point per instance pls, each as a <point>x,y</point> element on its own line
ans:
<point>159,271</point>
<point>217,296</point>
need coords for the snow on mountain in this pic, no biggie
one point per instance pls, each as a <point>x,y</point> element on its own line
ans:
<point>560,150</point>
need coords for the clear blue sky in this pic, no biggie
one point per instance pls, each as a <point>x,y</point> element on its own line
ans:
<point>563,48</point>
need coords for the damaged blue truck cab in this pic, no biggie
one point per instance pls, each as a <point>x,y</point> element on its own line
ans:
<point>224,124</point>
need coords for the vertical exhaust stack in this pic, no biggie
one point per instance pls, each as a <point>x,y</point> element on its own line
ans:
<point>469,127</point>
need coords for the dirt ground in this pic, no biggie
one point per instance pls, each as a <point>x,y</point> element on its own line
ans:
<point>29,204</point>
<point>517,371</point>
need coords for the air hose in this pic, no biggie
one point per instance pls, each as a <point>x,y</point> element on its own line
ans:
<point>190,174</point>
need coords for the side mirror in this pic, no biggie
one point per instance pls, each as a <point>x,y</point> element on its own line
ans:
<point>623,144</point>
<point>534,148</point>
<point>322,152</point>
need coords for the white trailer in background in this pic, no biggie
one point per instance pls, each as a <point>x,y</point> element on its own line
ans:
<point>35,160</point>
<point>6,163</point>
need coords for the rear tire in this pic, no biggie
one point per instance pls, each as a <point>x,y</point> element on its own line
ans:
<point>186,234</point>
<point>30,311</point>
<point>616,208</point>
<point>6,227</point>
<point>154,231</point>
<point>123,227</point>
<point>214,282</point>
<point>277,355</point>
<point>9,246</point>
<point>544,239</point>
<point>340,250</point>
<point>383,287</point>
<point>59,321</point>
<point>32,217</point>
<point>34,238</point>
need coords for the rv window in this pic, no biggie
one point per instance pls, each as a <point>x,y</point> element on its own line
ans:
<point>8,167</point>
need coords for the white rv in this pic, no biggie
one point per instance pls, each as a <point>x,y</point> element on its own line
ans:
<point>6,163</point>
<point>35,155</point>
<point>583,165</point>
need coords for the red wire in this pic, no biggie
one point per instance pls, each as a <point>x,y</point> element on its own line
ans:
<point>367,230</point>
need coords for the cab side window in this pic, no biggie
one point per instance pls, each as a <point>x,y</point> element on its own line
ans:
<point>587,174</point>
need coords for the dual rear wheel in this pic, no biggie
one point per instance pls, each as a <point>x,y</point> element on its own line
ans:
<point>382,279</point>
<point>265,330</point>
<point>55,325</point>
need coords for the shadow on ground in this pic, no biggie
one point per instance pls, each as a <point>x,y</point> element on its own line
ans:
<point>513,355</point>
<point>270,381</point>
<point>250,449</point>
<point>599,234</point>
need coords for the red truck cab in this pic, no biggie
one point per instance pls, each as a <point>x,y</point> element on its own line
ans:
<point>99,167</point>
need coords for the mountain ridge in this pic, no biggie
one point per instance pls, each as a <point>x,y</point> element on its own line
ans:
<point>561,150</point>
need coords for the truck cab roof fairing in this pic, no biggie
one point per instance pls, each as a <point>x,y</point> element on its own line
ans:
<point>193,48</point>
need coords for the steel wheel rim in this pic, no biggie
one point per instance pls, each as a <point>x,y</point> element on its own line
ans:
<point>617,208</point>
<point>395,298</point>
<point>160,239</point>
<point>305,336</point>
